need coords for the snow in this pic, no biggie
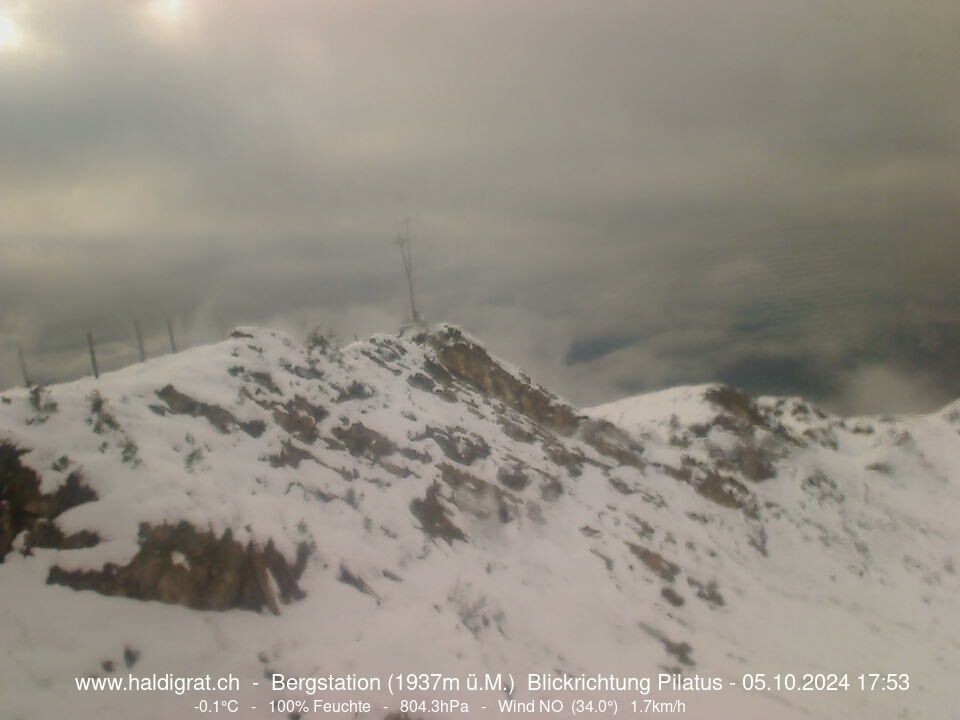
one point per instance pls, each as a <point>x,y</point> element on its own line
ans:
<point>858,576</point>
<point>657,408</point>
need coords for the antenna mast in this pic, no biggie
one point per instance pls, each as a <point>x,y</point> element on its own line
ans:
<point>404,240</point>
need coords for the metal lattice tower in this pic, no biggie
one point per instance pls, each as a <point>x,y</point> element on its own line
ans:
<point>404,240</point>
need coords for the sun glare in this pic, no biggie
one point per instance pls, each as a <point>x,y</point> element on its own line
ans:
<point>9,34</point>
<point>169,9</point>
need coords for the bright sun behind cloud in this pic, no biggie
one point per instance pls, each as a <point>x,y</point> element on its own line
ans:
<point>10,38</point>
<point>170,10</point>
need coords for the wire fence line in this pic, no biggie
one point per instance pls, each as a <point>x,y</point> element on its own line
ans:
<point>121,348</point>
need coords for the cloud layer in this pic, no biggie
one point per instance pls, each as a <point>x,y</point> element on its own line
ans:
<point>618,195</point>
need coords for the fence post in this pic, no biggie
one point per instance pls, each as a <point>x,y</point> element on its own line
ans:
<point>93,355</point>
<point>23,366</point>
<point>143,354</point>
<point>173,344</point>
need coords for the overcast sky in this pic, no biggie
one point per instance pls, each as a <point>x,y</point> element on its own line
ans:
<point>617,195</point>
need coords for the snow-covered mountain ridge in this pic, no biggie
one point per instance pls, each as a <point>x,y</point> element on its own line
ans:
<point>413,503</point>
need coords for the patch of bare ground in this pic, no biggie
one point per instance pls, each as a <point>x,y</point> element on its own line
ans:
<point>362,441</point>
<point>350,578</point>
<point>475,496</point>
<point>290,456</point>
<point>612,442</point>
<point>708,592</point>
<point>662,567</point>
<point>299,417</point>
<point>433,516</point>
<point>223,420</point>
<point>681,651</point>
<point>457,444</point>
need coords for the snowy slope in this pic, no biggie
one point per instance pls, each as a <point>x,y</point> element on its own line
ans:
<point>414,504</point>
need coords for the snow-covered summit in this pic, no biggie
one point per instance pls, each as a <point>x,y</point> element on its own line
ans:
<point>415,503</point>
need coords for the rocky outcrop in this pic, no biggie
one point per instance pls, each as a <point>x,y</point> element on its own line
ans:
<point>23,507</point>
<point>469,362</point>
<point>182,565</point>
